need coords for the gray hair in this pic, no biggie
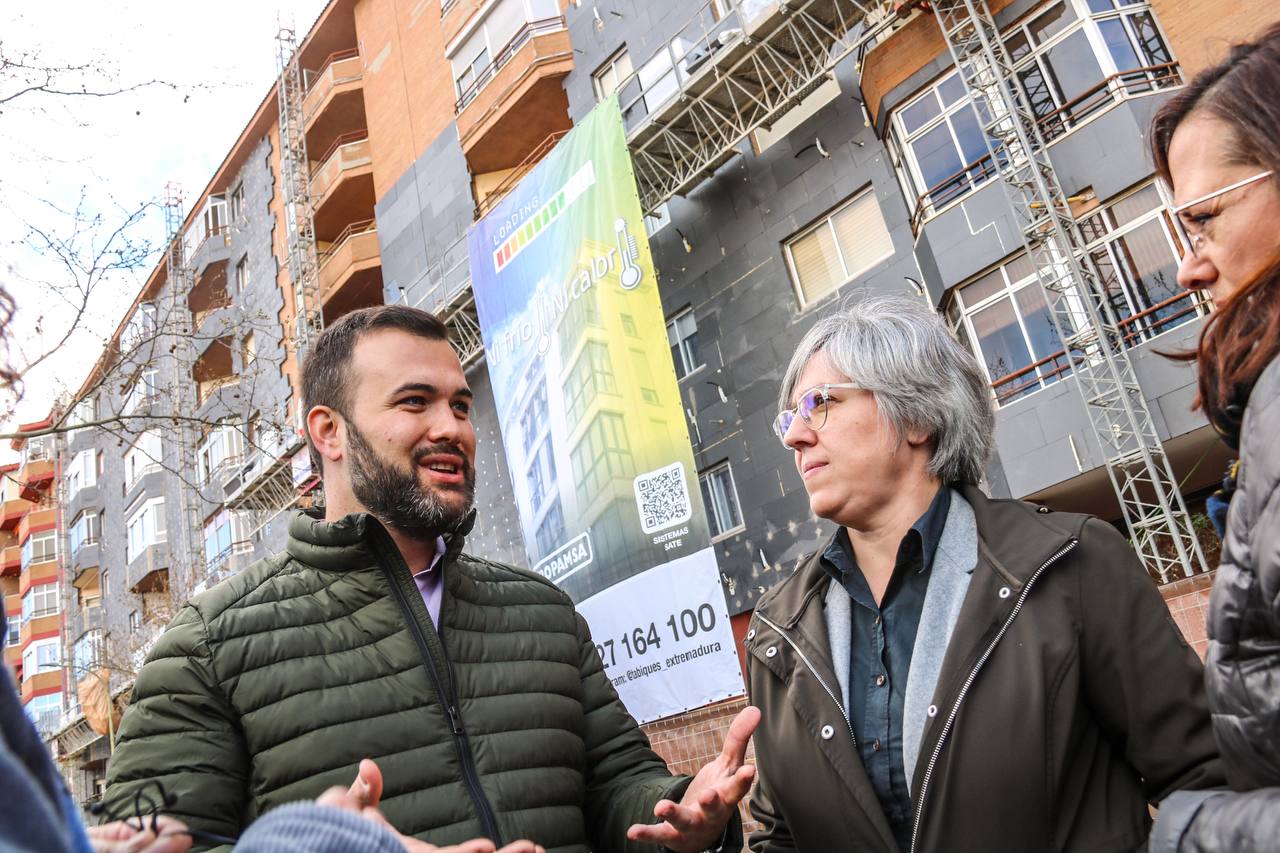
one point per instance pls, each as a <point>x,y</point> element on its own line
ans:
<point>898,348</point>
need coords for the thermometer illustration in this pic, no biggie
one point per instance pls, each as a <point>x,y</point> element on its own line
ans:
<point>629,252</point>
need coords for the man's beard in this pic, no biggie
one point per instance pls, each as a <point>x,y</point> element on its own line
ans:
<point>398,499</point>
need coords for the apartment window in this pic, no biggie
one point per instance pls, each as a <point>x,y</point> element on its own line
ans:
<point>224,446</point>
<point>629,326</point>
<point>838,248</point>
<point>682,335</point>
<point>145,527</point>
<point>1072,58</point>
<point>82,472</point>
<point>1005,316</point>
<point>40,600</point>
<point>535,419</point>
<point>86,654</point>
<point>143,456</point>
<point>1133,245</point>
<point>83,412</point>
<point>225,534</point>
<point>141,326</point>
<point>720,496</point>
<point>85,530</point>
<point>13,633</point>
<point>602,454</point>
<point>143,390</point>
<point>592,374</point>
<point>103,584</point>
<point>506,26</point>
<point>135,621</point>
<point>40,548</point>
<point>610,76</point>
<point>45,712</point>
<point>42,656</point>
<point>242,274</point>
<point>237,203</point>
<point>582,312</point>
<point>541,475</point>
<point>550,530</point>
<point>37,449</point>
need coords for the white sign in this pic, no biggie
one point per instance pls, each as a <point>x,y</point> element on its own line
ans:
<point>665,639</point>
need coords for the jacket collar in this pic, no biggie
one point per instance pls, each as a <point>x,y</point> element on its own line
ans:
<point>345,544</point>
<point>1013,537</point>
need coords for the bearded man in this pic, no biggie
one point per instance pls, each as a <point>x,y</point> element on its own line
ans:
<point>474,687</point>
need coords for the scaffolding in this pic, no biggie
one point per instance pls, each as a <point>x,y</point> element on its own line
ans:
<point>1153,508</point>
<point>178,329</point>
<point>447,294</point>
<point>732,71</point>
<point>299,210</point>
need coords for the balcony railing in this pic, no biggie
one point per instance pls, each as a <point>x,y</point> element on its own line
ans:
<point>517,174</point>
<point>529,31</point>
<point>355,229</point>
<point>1111,90</point>
<point>1134,329</point>
<point>337,68</point>
<point>204,390</point>
<point>346,152</point>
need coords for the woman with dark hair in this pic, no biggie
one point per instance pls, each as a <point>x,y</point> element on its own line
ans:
<point>1217,144</point>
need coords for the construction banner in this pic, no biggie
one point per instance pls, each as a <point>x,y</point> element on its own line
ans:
<point>592,424</point>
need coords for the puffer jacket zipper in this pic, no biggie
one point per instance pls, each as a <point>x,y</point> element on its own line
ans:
<point>968,682</point>
<point>444,691</point>
<point>809,665</point>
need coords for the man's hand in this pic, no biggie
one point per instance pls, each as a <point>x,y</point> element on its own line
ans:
<point>699,819</point>
<point>121,837</point>
<point>366,792</point>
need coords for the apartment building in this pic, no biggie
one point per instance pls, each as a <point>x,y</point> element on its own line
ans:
<point>31,578</point>
<point>392,129</point>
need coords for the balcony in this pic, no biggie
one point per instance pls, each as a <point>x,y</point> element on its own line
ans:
<point>34,479</point>
<point>334,107</point>
<point>213,370</point>
<point>347,159</point>
<point>350,270</point>
<point>1054,126</point>
<point>11,512</point>
<point>517,100</point>
<point>37,519</point>
<point>11,561</point>
<point>209,294</point>
<point>339,79</point>
<point>149,571</point>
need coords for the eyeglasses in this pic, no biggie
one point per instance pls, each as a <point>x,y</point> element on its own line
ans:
<point>1195,237</point>
<point>146,814</point>
<point>812,409</point>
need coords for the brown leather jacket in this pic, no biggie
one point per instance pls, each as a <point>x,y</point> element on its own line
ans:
<point>1067,700</point>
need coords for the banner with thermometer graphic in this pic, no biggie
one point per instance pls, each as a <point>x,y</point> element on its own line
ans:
<point>596,442</point>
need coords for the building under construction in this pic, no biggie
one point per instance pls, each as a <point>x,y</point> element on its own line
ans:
<point>987,155</point>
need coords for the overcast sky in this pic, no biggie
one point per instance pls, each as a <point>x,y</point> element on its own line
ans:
<point>119,152</point>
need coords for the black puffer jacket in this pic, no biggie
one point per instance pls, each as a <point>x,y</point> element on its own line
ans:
<point>1243,664</point>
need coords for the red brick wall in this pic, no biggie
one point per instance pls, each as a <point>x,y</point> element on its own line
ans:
<point>690,740</point>
<point>1188,601</point>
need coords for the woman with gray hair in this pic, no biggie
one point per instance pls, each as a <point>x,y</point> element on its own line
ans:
<point>952,672</point>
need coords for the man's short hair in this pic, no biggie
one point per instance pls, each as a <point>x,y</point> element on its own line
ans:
<point>325,373</point>
<point>898,348</point>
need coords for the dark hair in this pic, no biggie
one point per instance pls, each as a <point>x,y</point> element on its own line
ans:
<point>325,379</point>
<point>1242,337</point>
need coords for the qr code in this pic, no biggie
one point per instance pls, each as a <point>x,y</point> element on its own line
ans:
<point>662,498</point>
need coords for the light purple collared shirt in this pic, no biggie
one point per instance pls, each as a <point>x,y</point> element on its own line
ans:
<point>431,583</point>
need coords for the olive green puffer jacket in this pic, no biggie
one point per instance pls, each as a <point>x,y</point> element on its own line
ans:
<point>271,687</point>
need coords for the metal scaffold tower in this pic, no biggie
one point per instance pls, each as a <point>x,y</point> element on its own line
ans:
<point>178,328</point>
<point>741,70</point>
<point>295,174</point>
<point>1154,511</point>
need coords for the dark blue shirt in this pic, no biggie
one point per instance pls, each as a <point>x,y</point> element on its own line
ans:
<point>880,654</point>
